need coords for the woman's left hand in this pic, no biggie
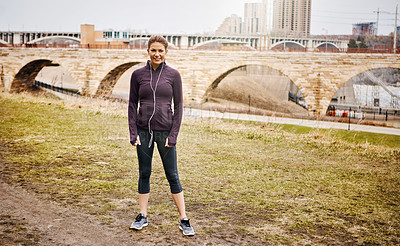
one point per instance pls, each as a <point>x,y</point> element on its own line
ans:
<point>167,145</point>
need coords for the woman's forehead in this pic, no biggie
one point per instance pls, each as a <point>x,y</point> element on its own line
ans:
<point>157,45</point>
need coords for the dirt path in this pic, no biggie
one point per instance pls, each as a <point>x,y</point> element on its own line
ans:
<point>30,219</point>
<point>26,220</point>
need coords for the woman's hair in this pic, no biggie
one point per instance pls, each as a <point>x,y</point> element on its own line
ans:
<point>158,39</point>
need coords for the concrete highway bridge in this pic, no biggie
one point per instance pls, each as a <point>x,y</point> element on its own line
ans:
<point>179,41</point>
<point>317,75</point>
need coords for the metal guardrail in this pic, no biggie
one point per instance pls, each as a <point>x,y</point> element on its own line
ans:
<point>57,89</point>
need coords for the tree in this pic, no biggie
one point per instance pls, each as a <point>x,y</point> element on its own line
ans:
<point>352,44</point>
<point>362,44</point>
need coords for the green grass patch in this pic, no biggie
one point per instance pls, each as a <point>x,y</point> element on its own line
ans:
<point>260,182</point>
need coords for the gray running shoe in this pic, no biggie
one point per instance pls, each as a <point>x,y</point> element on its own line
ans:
<point>139,222</point>
<point>186,228</point>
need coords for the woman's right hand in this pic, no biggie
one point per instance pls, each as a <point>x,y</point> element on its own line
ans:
<point>137,141</point>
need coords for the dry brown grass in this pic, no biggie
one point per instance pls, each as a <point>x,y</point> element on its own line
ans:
<point>245,183</point>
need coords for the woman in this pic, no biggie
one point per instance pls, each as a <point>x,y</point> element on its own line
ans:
<point>154,87</point>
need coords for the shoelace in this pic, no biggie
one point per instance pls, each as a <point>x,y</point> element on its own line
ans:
<point>139,217</point>
<point>185,223</point>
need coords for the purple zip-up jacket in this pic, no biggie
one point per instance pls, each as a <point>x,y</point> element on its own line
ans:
<point>141,97</point>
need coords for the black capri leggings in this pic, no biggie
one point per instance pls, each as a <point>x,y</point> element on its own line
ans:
<point>168,158</point>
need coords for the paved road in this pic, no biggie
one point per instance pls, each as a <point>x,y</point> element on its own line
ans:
<point>198,113</point>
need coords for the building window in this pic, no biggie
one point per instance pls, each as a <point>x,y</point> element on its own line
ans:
<point>107,34</point>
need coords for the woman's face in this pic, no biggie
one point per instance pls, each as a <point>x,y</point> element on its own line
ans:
<point>157,53</point>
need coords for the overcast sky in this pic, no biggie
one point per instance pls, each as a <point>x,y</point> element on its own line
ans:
<point>178,16</point>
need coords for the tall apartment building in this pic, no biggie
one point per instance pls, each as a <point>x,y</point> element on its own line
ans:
<point>254,18</point>
<point>292,17</point>
<point>231,26</point>
<point>258,17</point>
<point>279,17</point>
<point>268,6</point>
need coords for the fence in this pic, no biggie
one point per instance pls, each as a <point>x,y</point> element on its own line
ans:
<point>366,114</point>
<point>57,89</point>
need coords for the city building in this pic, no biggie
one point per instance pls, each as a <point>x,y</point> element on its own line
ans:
<point>231,26</point>
<point>365,28</point>
<point>269,16</point>
<point>254,18</point>
<point>258,19</point>
<point>91,37</point>
<point>292,17</point>
<point>278,17</point>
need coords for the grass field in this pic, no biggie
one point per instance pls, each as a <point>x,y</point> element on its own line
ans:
<point>274,184</point>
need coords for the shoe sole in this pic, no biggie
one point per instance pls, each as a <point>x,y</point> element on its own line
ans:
<point>139,228</point>
<point>189,234</point>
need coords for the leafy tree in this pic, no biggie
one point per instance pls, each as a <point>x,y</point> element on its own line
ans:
<point>352,44</point>
<point>362,44</point>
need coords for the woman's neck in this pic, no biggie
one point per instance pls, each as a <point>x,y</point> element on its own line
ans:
<point>154,66</point>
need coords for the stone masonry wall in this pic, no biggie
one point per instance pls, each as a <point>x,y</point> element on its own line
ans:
<point>318,75</point>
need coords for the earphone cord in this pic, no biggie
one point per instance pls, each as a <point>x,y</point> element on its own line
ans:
<point>154,96</point>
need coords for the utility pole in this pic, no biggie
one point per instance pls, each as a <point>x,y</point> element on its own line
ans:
<point>377,21</point>
<point>395,32</point>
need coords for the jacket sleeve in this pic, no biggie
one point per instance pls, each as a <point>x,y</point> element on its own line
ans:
<point>132,108</point>
<point>178,110</point>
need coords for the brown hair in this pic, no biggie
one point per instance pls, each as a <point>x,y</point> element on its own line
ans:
<point>158,39</point>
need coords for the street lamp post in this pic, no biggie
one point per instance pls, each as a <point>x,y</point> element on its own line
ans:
<point>249,103</point>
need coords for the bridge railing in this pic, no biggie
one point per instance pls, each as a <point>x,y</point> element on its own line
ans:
<point>73,92</point>
<point>211,48</point>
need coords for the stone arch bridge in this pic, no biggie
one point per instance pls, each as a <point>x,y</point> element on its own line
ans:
<point>318,75</point>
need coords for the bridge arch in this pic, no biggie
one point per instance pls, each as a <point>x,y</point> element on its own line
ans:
<point>54,37</point>
<point>297,44</point>
<point>107,84</point>
<point>355,72</point>
<point>328,44</point>
<point>217,43</point>
<point>293,81</point>
<point>4,43</point>
<point>25,78</point>
<point>218,80</point>
<point>206,43</point>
